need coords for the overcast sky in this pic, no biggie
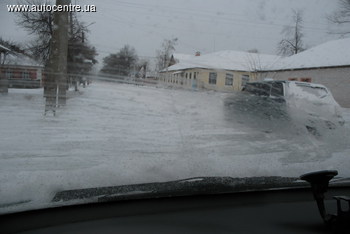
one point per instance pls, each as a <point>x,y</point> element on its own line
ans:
<point>199,25</point>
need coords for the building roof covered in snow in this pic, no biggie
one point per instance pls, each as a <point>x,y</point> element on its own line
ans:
<point>17,59</point>
<point>4,48</point>
<point>330,54</point>
<point>13,58</point>
<point>334,53</point>
<point>226,60</point>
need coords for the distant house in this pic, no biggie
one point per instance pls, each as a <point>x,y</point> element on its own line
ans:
<point>20,70</point>
<point>327,64</point>
<point>222,71</point>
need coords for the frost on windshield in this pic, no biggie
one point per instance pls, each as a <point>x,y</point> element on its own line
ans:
<point>112,133</point>
<point>139,99</point>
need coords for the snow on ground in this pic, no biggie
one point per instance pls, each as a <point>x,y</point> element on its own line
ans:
<point>114,134</point>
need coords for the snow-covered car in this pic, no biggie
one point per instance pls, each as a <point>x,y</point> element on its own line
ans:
<point>308,103</point>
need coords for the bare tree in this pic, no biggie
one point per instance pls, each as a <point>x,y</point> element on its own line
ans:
<point>292,43</point>
<point>40,24</point>
<point>163,55</point>
<point>341,16</point>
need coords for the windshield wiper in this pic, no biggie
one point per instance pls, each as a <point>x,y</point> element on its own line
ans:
<point>191,186</point>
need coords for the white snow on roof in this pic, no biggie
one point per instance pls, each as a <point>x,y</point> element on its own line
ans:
<point>329,54</point>
<point>227,60</point>
<point>17,59</point>
<point>4,48</point>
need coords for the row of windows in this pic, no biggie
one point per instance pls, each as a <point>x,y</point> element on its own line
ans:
<point>228,78</point>
<point>9,74</point>
<point>175,81</point>
<point>212,78</point>
<point>189,75</point>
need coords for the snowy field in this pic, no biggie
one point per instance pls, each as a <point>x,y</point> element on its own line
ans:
<point>115,134</point>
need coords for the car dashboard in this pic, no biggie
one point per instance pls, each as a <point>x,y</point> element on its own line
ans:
<point>271,211</point>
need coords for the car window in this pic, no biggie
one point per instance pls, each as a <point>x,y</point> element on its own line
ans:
<point>277,89</point>
<point>318,92</point>
<point>260,89</point>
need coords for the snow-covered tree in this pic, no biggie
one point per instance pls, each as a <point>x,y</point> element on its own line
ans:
<point>41,25</point>
<point>121,63</point>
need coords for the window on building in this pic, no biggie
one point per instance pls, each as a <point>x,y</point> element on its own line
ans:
<point>195,75</point>
<point>186,75</point>
<point>292,79</point>
<point>212,77</point>
<point>9,74</point>
<point>229,79</point>
<point>191,75</point>
<point>306,79</point>
<point>25,75</point>
<point>245,79</point>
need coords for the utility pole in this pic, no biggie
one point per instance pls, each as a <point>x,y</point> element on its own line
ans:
<point>3,78</point>
<point>73,46</point>
<point>56,80</point>
<point>71,23</point>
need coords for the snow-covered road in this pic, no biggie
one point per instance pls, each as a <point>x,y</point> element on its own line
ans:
<point>113,134</point>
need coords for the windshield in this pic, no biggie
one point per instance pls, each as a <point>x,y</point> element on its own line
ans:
<point>116,93</point>
<point>318,92</point>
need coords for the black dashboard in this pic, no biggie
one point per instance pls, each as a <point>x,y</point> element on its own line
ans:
<point>273,211</point>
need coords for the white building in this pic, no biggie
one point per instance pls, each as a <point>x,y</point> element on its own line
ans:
<point>223,70</point>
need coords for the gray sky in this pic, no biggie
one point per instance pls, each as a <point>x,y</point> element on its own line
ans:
<point>200,25</point>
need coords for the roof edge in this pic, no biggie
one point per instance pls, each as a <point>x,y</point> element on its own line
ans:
<point>304,68</point>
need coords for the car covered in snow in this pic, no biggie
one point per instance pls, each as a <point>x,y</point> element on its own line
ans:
<point>308,104</point>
